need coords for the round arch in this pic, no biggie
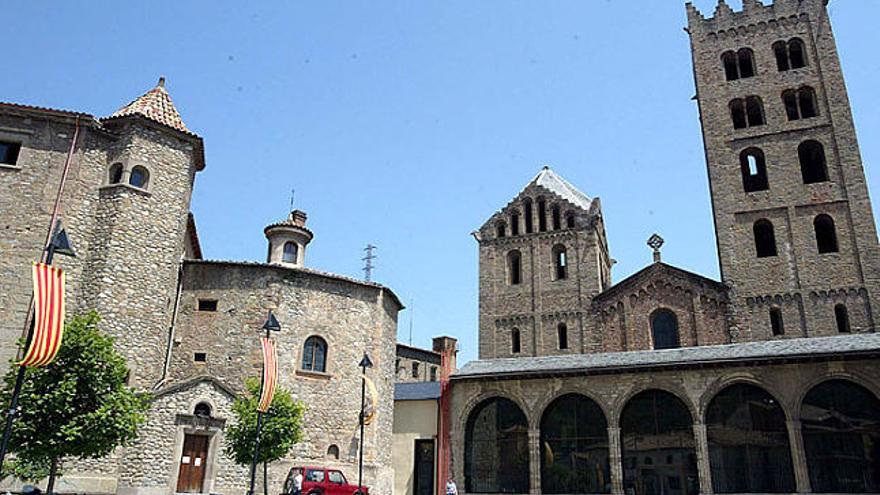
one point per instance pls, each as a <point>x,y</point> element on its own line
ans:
<point>496,451</point>
<point>574,447</point>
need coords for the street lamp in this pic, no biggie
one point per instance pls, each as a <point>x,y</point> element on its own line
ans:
<point>270,326</point>
<point>59,244</point>
<point>364,364</point>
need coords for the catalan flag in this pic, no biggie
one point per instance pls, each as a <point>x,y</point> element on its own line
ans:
<point>270,374</point>
<point>48,315</point>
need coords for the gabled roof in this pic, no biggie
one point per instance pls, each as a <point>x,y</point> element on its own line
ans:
<point>549,180</point>
<point>658,267</point>
<point>155,105</point>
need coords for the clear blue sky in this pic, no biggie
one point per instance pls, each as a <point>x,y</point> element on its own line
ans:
<point>406,124</point>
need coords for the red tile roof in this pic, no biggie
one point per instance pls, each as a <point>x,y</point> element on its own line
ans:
<point>155,105</point>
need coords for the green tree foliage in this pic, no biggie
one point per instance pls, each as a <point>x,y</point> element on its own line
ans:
<point>281,427</point>
<point>78,406</point>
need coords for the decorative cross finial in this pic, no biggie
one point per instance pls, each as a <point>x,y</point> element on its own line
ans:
<point>655,242</point>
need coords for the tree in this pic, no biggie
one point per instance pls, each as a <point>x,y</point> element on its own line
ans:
<point>281,427</point>
<point>78,406</point>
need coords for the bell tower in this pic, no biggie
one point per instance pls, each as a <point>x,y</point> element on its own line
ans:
<point>795,233</point>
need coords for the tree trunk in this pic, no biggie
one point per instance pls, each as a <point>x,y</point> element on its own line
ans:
<point>265,478</point>
<point>53,471</point>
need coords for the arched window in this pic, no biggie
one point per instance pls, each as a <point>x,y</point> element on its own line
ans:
<point>748,442</point>
<point>203,410</point>
<point>499,229</point>
<point>812,158</point>
<point>776,327</point>
<point>738,114</point>
<point>746,60</point>
<point>826,234</point>
<point>514,267</point>
<point>754,170</point>
<point>807,102</point>
<point>290,252</point>
<point>790,101</point>
<point>841,317</point>
<point>790,55</point>
<point>527,213</point>
<point>765,239</point>
<point>569,220</point>
<point>542,215</point>
<point>560,262</point>
<point>664,329</point>
<point>333,452</point>
<point>754,111</point>
<point>657,444</point>
<point>514,223</point>
<point>556,216</point>
<point>729,60</point>
<point>115,175</point>
<point>562,335</point>
<point>315,354</point>
<point>515,341</point>
<point>840,424</point>
<point>139,177</point>
<point>574,447</point>
<point>496,448</point>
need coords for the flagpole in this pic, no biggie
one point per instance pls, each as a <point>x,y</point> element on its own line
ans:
<point>270,326</point>
<point>364,364</point>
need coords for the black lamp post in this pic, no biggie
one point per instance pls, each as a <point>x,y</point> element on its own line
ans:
<point>58,244</point>
<point>364,364</point>
<point>271,325</point>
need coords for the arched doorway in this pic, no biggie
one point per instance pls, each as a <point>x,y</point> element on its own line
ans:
<point>574,447</point>
<point>496,450</point>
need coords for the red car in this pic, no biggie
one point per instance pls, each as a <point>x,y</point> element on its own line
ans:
<point>322,481</point>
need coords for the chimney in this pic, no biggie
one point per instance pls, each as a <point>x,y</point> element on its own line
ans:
<point>447,347</point>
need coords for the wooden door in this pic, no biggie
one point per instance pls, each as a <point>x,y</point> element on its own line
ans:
<point>423,477</point>
<point>192,464</point>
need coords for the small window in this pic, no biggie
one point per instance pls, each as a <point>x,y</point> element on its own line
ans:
<point>754,170</point>
<point>202,409</point>
<point>738,65</point>
<point>291,251</point>
<point>562,335</point>
<point>811,155</point>
<point>780,50</point>
<point>115,175</point>
<point>569,221</point>
<point>790,101</point>
<point>790,55</point>
<point>315,354</point>
<point>560,263</point>
<point>765,239</point>
<point>499,229</point>
<point>557,217</point>
<point>514,224</point>
<point>542,215</point>
<point>514,267</point>
<point>415,370</point>
<point>515,346</point>
<point>826,234</point>
<point>731,71</point>
<point>333,452</point>
<point>754,111</point>
<point>807,102</point>
<point>776,321</point>
<point>9,152</point>
<point>527,212</point>
<point>738,114</point>
<point>433,373</point>
<point>139,177</point>
<point>207,305</point>
<point>200,357</point>
<point>841,315</point>
<point>664,329</point>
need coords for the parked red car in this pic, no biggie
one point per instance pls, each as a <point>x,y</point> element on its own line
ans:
<point>322,481</point>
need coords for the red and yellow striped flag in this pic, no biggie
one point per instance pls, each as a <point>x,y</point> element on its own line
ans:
<point>48,315</point>
<point>270,374</point>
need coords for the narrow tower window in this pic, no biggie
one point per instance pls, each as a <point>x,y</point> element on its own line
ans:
<point>765,239</point>
<point>754,111</point>
<point>789,99</point>
<point>514,267</point>
<point>562,335</point>
<point>812,158</point>
<point>748,112</point>
<point>776,321</point>
<point>542,215</point>
<point>826,235</point>
<point>569,220</point>
<point>139,177</point>
<point>527,206</point>
<point>115,176</point>
<point>841,315</point>
<point>499,229</point>
<point>754,170</point>
<point>807,102</point>
<point>731,72</point>
<point>514,223</point>
<point>557,217</point>
<point>780,49</point>
<point>790,55</point>
<point>515,341</point>
<point>738,114</point>
<point>290,252</point>
<point>746,63</point>
<point>560,263</point>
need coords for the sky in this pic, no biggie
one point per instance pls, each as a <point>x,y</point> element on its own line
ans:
<point>406,124</point>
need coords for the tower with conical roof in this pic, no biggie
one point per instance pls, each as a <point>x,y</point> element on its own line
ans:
<point>542,259</point>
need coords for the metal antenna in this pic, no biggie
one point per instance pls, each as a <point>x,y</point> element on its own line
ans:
<point>412,310</point>
<point>368,262</point>
<point>292,194</point>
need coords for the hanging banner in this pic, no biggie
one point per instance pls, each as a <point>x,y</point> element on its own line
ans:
<point>270,374</point>
<point>48,315</point>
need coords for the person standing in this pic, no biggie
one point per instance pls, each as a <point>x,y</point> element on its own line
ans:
<point>298,482</point>
<point>451,489</point>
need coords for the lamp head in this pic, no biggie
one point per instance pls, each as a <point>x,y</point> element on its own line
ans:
<point>365,362</point>
<point>60,243</point>
<point>272,323</point>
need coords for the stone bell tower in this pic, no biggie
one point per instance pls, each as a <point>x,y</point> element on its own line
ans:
<point>796,236</point>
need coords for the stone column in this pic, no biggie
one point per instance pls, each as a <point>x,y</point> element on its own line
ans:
<point>615,458</point>
<point>798,457</point>
<point>534,462</point>
<point>703,466</point>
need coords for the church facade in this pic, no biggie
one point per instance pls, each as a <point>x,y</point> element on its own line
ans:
<point>669,382</point>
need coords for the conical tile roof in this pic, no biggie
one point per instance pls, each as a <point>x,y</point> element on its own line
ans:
<point>155,105</point>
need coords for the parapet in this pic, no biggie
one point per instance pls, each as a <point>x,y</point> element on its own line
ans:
<point>753,12</point>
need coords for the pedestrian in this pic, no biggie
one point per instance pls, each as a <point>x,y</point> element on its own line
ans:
<point>451,489</point>
<point>298,482</point>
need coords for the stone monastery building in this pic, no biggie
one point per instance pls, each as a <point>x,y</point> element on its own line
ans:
<point>664,383</point>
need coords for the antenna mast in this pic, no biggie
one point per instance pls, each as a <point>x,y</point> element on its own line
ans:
<point>368,262</point>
